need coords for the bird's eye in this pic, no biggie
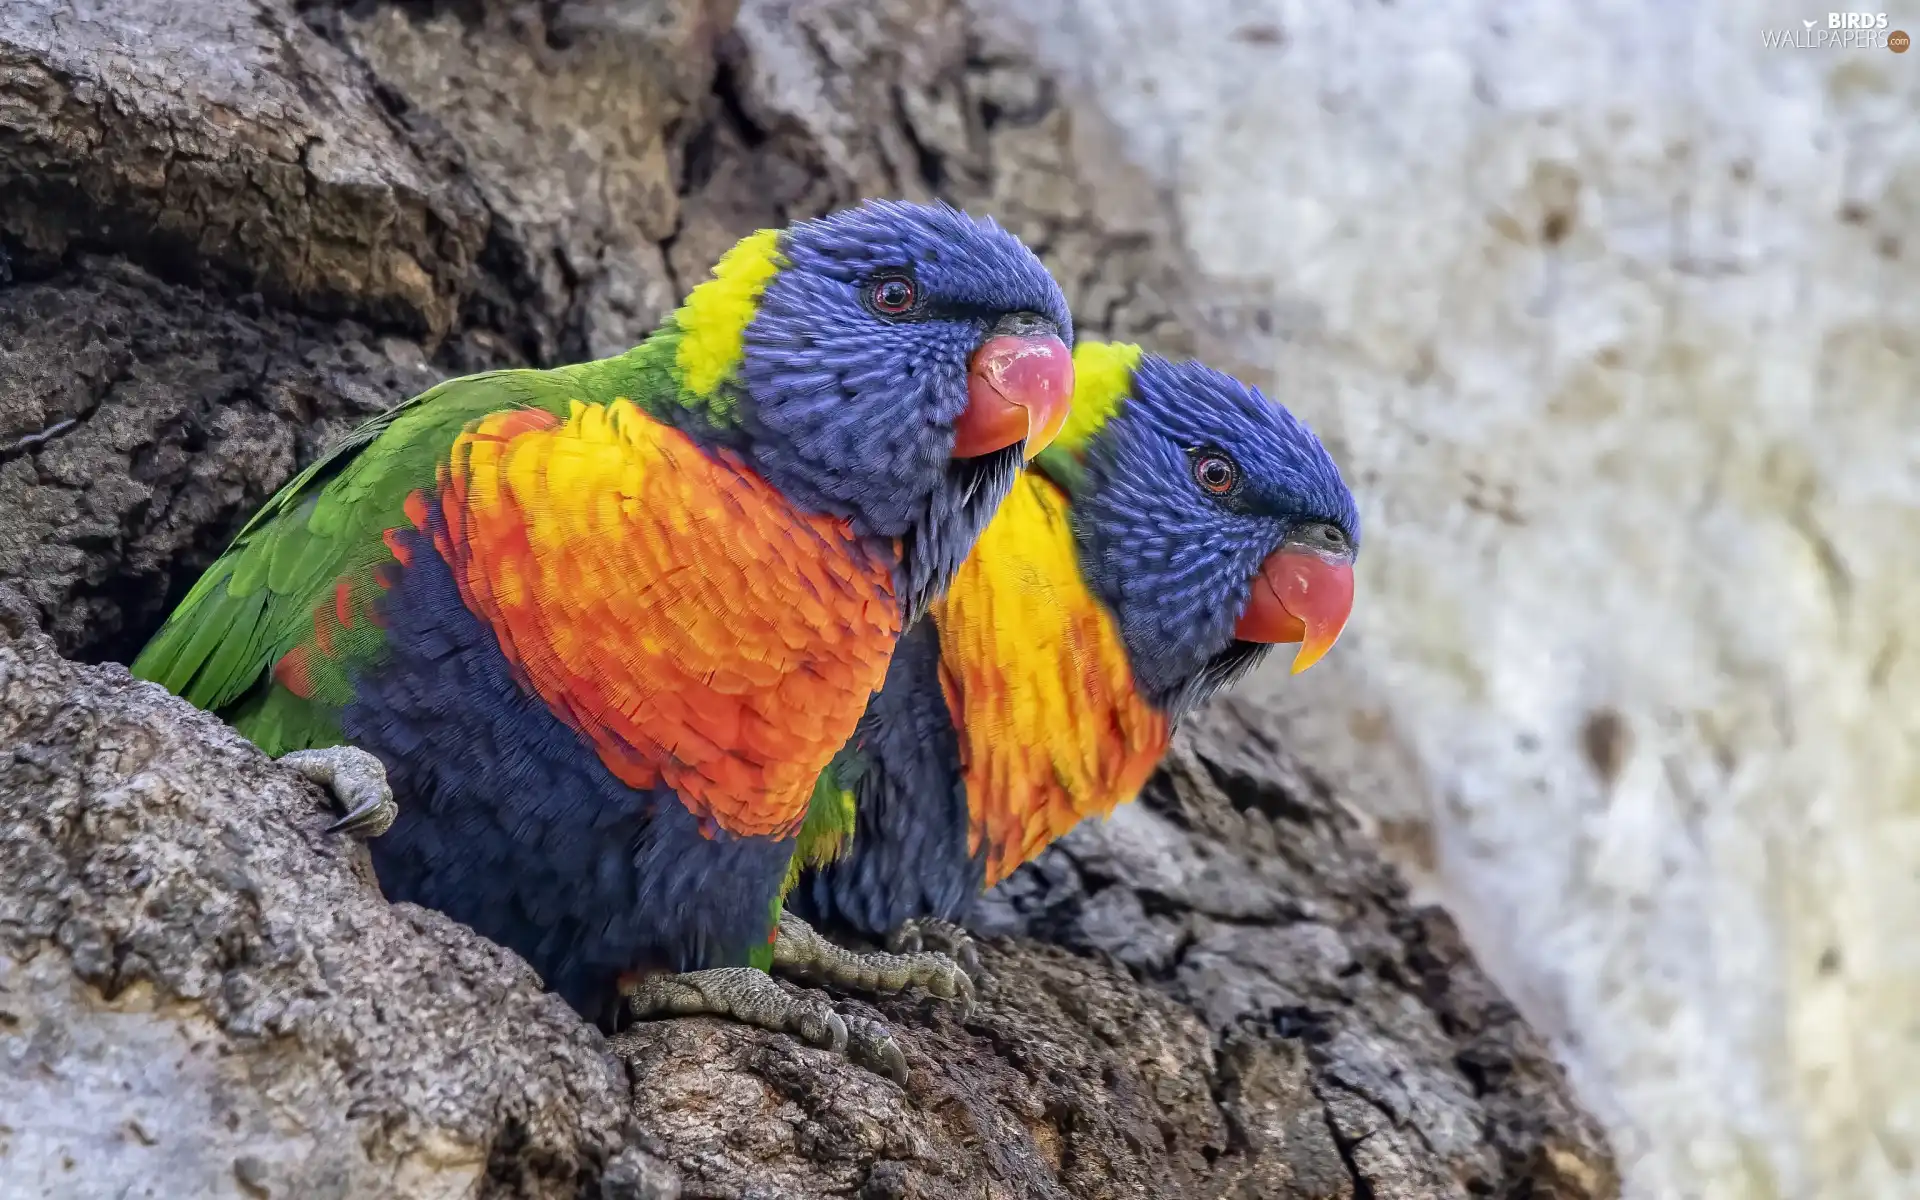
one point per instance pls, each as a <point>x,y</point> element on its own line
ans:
<point>892,295</point>
<point>1215,473</point>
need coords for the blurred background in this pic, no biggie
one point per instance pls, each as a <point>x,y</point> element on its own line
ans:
<point>1610,312</point>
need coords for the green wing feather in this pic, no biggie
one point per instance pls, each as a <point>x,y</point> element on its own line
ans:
<point>830,815</point>
<point>257,601</point>
<point>826,828</point>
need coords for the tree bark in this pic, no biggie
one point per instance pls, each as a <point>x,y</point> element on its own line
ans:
<point>233,229</point>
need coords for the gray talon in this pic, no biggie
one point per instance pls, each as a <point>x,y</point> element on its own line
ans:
<point>935,934</point>
<point>358,782</point>
<point>746,994</point>
<point>804,954</point>
<point>870,1044</point>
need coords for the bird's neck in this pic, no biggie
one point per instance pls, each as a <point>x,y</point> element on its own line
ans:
<point>668,382</point>
<point>656,377</point>
<point>687,372</point>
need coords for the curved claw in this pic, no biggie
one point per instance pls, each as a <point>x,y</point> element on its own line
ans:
<point>968,957</point>
<point>942,977</point>
<point>358,782</point>
<point>369,819</point>
<point>871,1044</point>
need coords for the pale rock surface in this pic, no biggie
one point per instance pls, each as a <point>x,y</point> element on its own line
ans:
<point>1610,314</point>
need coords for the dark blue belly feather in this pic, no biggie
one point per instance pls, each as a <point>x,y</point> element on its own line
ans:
<point>510,823</point>
<point>908,857</point>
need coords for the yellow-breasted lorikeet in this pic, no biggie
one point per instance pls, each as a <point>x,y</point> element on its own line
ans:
<point>1180,526</point>
<point>605,625</point>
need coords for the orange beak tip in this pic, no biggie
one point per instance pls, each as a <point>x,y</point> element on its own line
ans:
<point>1311,653</point>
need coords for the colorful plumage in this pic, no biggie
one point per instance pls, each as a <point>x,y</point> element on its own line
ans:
<point>1180,525</point>
<point>605,625</point>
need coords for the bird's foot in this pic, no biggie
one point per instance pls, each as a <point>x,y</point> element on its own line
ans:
<point>745,994</point>
<point>800,952</point>
<point>358,782</point>
<point>755,998</point>
<point>933,933</point>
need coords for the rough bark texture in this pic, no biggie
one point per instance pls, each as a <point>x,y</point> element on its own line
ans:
<point>232,229</point>
<point>1246,1006</point>
<point>202,994</point>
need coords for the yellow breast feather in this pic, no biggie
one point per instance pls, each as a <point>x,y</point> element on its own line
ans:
<point>1036,677</point>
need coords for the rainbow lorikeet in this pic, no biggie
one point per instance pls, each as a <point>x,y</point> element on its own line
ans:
<point>601,628</point>
<point>1180,526</point>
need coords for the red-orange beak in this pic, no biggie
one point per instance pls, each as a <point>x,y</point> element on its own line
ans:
<point>1300,595</point>
<point>1019,386</point>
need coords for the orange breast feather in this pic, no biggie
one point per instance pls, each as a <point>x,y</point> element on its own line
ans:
<point>670,605</point>
<point>1051,728</point>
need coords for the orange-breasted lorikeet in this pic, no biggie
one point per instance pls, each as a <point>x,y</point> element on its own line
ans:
<point>1180,526</point>
<point>604,625</point>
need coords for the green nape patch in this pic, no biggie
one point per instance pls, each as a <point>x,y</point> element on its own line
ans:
<point>1063,467</point>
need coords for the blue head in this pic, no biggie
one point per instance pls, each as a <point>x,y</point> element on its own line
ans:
<point>1210,521</point>
<point>896,363</point>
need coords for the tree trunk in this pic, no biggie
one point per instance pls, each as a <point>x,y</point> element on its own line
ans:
<point>232,229</point>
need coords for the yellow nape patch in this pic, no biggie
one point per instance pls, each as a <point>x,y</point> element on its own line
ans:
<point>1102,376</point>
<point>1037,680</point>
<point>714,319</point>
